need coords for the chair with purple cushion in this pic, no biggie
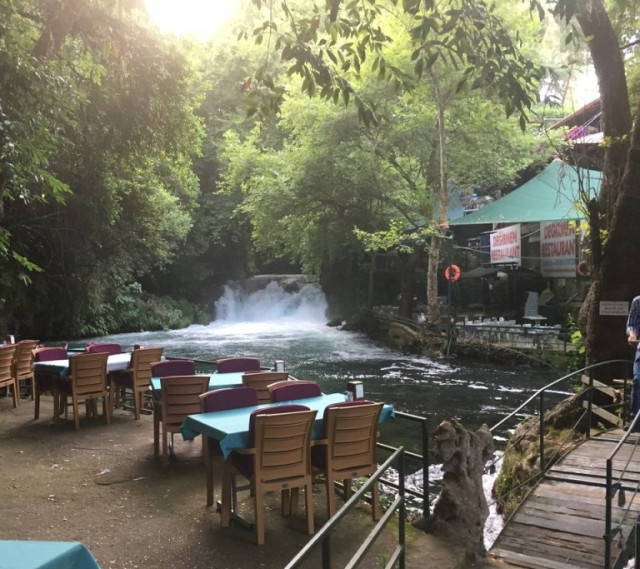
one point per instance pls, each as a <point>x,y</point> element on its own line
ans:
<point>104,348</point>
<point>294,389</point>
<point>173,367</point>
<point>279,459</point>
<point>180,397</point>
<point>46,380</point>
<point>348,448</point>
<point>222,400</point>
<point>230,365</point>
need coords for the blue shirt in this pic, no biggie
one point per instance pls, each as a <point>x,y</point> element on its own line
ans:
<point>633,321</point>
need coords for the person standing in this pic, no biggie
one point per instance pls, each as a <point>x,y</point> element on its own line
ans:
<point>633,331</point>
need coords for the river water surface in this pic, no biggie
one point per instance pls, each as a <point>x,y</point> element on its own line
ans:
<point>273,324</point>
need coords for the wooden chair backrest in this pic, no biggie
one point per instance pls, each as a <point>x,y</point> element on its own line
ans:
<point>283,446</point>
<point>88,374</point>
<point>181,397</point>
<point>351,431</point>
<point>7,354</point>
<point>141,360</point>
<point>23,358</point>
<point>261,380</point>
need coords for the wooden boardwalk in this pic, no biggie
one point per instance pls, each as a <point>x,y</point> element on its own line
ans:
<point>561,525</point>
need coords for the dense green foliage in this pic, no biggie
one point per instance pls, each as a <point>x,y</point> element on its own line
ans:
<point>139,173</point>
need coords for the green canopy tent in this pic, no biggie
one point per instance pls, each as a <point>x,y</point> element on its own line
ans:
<point>552,195</point>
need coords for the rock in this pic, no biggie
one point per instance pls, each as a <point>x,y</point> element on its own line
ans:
<point>461,509</point>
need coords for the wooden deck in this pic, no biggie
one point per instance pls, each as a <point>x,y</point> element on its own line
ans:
<point>561,524</point>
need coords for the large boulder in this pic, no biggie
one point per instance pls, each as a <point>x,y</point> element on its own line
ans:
<point>461,509</point>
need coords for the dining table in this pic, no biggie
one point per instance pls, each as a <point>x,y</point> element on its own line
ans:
<point>216,381</point>
<point>231,428</point>
<point>58,371</point>
<point>45,555</point>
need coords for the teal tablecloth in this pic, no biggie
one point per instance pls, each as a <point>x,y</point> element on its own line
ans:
<point>231,428</point>
<point>45,555</point>
<point>216,381</point>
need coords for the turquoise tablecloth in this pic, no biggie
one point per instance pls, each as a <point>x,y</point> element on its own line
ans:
<point>216,381</point>
<point>230,428</point>
<point>45,555</point>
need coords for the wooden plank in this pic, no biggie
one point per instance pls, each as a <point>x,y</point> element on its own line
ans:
<point>534,562</point>
<point>604,414</point>
<point>561,524</point>
<point>615,394</point>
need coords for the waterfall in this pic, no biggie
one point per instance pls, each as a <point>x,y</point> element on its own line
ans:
<point>272,298</point>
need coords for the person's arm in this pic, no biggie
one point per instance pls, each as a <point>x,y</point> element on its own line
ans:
<point>633,321</point>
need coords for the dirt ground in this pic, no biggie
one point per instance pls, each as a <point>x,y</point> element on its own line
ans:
<point>101,485</point>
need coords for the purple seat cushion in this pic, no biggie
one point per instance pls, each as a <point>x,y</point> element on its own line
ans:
<point>229,398</point>
<point>294,389</point>
<point>173,367</point>
<point>49,354</point>
<point>230,365</point>
<point>96,347</point>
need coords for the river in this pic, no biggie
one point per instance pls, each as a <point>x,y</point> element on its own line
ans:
<point>272,323</point>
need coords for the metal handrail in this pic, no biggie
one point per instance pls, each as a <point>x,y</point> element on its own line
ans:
<point>323,537</point>
<point>613,487</point>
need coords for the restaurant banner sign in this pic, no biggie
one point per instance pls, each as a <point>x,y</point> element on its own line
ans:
<point>557,249</point>
<point>505,245</point>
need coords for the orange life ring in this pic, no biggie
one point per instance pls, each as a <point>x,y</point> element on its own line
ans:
<point>452,273</point>
<point>582,268</point>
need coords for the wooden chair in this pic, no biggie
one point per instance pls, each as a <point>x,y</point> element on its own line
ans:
<point>222,400</point>
<point>180,397</point>
<point>23,364</point>
<point>261,380</point>
<point>7,379</point>
<point>173,367</point>
<point>348,449</point>
<point>292,390</point>
<point>46,381</point>
<point>230,365</point>
<point>279,459</point>
<point>136,377</point>
<point>87,383</point>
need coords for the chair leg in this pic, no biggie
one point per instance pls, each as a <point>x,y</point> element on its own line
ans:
<point>76,414</point>
<point>106,410</point>
<point>331,498</point>
<point>258,506</point>
<point>156,435</point>
<point>375,501</point>
<point>227,482</point>
<point>165,449</point>
<point>36,408</point>
<point>16,394</point>
<point>137,402</point>
<point>208,467</point>
<point>308,495</point>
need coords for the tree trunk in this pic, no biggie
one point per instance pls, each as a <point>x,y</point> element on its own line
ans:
<point>57,28</point>
<point>615,267</point>
<point>433,306</point>
<point>619,273</point>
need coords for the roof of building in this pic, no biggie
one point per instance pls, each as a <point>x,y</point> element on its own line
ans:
<point>552,195</point>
